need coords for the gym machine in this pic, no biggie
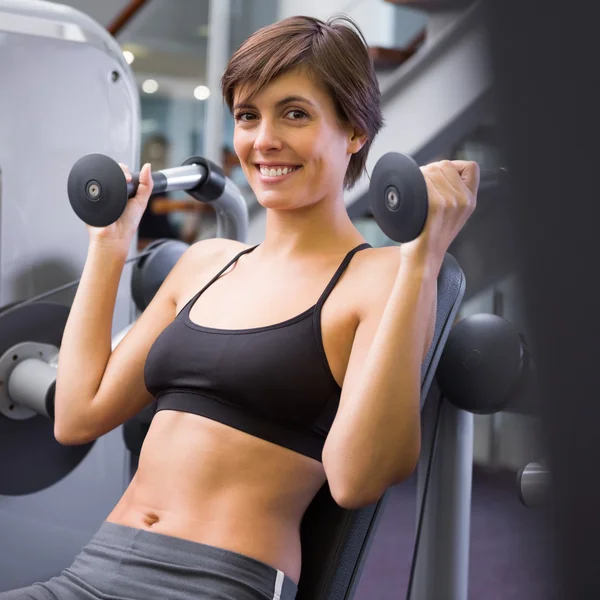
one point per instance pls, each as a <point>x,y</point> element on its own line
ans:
<point>64,78</point>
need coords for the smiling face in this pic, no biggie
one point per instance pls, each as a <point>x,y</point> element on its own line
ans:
<point>291,145</point>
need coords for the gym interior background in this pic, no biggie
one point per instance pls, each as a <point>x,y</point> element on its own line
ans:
<point>438,102</point>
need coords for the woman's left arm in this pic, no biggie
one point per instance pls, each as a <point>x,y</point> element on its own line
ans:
<point>374,441</point>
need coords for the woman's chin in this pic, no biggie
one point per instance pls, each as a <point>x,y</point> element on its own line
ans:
<point>275,200</point>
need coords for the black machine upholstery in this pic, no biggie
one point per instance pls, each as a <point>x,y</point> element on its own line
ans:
<point>335,541</point>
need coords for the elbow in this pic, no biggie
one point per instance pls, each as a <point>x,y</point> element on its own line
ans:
<point>63,430</point>
<point>351,500</point>
<point>64,438</point>
<point>353,497</point>
<point>409,463</point>
<point>406,471</point>
<point>70,436</point>
<point>61,437</point>
<point>355,502</point>
<point>70,429</point>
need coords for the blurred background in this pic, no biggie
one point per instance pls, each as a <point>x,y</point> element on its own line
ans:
<point>432,61</point>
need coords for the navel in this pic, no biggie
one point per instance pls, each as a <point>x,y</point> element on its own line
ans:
<point>151,519</point>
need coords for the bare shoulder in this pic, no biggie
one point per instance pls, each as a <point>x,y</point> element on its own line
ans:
<point>202,260</point>
<point>205,252</point>
<point>373,275</point>
<point>379,258</point>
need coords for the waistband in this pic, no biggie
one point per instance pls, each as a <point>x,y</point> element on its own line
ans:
<point>174,550</point>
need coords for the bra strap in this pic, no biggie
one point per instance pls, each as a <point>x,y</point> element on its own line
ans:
<point>339,273</point>
<point>231,262</point>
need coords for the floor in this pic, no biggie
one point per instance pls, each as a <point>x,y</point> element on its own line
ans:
<point>506,543</point>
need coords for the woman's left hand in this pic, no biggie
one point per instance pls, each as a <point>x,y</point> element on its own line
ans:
<point>452,195</point>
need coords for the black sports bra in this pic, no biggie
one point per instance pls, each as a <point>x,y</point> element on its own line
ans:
<point>272,382</point>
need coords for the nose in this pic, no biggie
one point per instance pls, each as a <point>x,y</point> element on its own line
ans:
<point>267,137</point>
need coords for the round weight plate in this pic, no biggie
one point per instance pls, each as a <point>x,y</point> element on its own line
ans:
<point>398,196</point>
<point>97,190</point>
<point>30,457</point>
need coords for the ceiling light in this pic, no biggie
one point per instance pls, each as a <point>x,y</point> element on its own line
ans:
<point>150,86</point>
<point>201,92</point>
<point>129,56</point>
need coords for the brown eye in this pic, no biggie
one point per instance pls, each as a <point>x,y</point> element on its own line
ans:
<point>298,114</point>
<point>240,116</point>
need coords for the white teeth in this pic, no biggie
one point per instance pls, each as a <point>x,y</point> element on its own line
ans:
<point>276,172</point>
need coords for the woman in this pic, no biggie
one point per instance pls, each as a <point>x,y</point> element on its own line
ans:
<point>247,348</point>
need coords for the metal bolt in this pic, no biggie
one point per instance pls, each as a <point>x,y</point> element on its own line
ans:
<point>93,190</point>
<point>393,199</point>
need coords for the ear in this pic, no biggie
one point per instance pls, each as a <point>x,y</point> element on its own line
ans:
<point>356,141</point>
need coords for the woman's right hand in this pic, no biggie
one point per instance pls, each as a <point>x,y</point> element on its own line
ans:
<point>122,231</point>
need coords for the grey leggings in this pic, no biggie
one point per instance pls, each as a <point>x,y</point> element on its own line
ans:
<point>124,563</point>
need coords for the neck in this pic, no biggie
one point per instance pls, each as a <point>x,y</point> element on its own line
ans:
<point>319,229</point>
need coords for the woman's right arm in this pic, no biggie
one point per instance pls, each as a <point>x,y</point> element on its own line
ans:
<point>86,342</point>
<point>96,389</point>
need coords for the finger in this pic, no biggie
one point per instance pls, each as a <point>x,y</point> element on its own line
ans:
<point>145,179</point>
<point>469,173</point>
<point>125,171</point>
<point>454,180</point>
<point>434,193</point>
<point>436,185</point>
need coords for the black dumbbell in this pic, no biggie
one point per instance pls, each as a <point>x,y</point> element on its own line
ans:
<point>398,195</point>
<point>98,190</point>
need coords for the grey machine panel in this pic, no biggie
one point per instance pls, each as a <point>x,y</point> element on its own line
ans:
<point>66,91</point>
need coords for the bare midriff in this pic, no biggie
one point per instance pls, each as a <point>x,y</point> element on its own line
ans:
<point>220,486</point>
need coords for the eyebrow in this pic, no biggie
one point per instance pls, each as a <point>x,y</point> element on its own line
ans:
<point>279,103</point>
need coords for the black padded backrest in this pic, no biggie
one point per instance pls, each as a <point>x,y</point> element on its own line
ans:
<point>335,541</point>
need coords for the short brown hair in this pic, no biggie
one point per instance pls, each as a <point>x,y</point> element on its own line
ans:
<point>335,52</point>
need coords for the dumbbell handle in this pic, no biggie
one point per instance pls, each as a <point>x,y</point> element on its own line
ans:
<point>171,180</point>
<point>490,179</point>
